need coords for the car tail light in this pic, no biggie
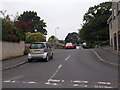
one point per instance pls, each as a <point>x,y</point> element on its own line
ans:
<point>45,50</point>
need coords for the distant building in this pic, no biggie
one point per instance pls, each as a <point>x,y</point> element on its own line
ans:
<point>114,26</point>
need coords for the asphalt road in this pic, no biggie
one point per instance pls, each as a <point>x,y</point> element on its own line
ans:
<point>68,69</point>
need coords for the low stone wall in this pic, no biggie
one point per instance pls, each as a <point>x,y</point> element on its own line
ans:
<point>10,49</point>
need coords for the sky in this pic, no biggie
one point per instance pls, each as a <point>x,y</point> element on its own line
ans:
<point>62,16</point>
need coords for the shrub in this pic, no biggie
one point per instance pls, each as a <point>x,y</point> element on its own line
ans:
<point>10,32</point>
<point>26,50</point>
<point>35,37</point>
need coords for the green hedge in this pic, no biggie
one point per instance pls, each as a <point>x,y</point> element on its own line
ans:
<point>34,37</point>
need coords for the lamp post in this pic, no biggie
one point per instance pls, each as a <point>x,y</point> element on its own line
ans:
<point>35,30</point>
<point>56,31</point>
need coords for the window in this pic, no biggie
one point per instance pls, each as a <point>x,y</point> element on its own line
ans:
<point>37,46</point>
<point>114,12</point>
<point>119,7</point>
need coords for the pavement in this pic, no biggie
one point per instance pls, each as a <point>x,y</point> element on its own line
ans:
<point>13,62</point>
<point>105,54</point>
<point>17,61</point>
<point>108,55</point>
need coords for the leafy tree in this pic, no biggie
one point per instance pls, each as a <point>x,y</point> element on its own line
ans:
<point>95,27</point>
<point>10,32</point>
<point>35,37</point>
<point>52,39</point>
<point>72,37</point>
<point>61,41</point>
<point>29,21</point>
<point>23,25</point>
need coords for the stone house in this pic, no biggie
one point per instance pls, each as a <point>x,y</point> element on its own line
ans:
<point>114,26</point>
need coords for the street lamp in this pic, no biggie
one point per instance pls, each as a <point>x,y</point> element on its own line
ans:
<point>35,30</point>
<point>56,31</point>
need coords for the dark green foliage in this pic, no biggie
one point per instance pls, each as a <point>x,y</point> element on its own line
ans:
<point>72,37</point>
<point>61,41</point>
<point>95,27</point>
<point>26,50</point>
<point>32,21</point>
<point>35,37</point>
<point>10,32</point>
<point>53,39</point>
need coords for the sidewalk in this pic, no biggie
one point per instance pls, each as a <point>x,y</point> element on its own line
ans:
<point>108,55</point>
<point>13,62</point>
<point>17,61</point>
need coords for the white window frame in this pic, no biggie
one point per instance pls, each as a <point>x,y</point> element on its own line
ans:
<point>119,6</point>
<point>114,12</point>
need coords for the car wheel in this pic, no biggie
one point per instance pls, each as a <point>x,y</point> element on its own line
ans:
<point>29,60</point>
<point>47,59</point>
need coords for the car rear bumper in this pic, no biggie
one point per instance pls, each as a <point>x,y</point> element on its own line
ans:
<point>37,56</point>
<point>68,47</point>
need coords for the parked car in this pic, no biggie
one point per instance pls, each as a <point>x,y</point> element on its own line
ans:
<point>40,50</point>
<point>79,47</point>
<point>69,46</point>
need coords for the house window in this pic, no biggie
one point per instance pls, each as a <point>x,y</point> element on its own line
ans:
<point>118,7</point>
<point>114,12</point>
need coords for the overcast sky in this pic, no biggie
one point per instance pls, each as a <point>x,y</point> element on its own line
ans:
<point>65,14</point>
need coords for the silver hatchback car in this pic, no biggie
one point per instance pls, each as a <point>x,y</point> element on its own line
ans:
<point>40,50</point>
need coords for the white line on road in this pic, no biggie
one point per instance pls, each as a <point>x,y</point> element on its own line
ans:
<point>7,81</point>
<point>67,57</point>
<point>32,82</point>
<point>54,80</point>
<point>77,85</point>
<point>15,78</point>
<point>100,86</point>
<point>104,83</point>
<point>50,79</point>
<point>98,55</point>
<point>104,60</point>
<point>57,70</point>
<point>77,81</point>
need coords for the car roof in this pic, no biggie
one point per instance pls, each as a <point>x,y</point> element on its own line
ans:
<point>39,42</point>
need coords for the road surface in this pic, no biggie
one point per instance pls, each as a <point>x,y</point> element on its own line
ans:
<point>70,68</point>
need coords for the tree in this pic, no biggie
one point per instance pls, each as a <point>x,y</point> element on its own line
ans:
<point>53,39</point>
<point>72,37</point>
<point>10,32</point>
<point>29,21</point>
<point>95,27</point>
<point>61,41</point>
<point>35,37</point>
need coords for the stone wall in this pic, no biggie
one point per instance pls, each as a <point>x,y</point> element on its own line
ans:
<point>12,49</point>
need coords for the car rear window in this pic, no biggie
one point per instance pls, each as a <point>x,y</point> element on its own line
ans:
<point>69,44</point>
<point>37,46</point>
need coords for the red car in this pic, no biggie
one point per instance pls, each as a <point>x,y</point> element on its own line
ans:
<point>69,46</point>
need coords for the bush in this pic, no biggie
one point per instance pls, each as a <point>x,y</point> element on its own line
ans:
<point>26,50</point>
<point>35,37</point>
<point>10,32</point>
<point>59,46</point>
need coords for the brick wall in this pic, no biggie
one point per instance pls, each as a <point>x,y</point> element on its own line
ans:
<point>12,49</point>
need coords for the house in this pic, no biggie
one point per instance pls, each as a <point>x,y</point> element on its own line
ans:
<point>114,26</point>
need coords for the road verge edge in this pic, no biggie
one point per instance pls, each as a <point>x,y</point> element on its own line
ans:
<point>100,59</point>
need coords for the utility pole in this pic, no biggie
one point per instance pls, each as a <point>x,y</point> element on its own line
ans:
<point>56,31</point>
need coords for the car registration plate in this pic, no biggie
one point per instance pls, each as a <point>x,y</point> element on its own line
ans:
<point>36,50</point>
